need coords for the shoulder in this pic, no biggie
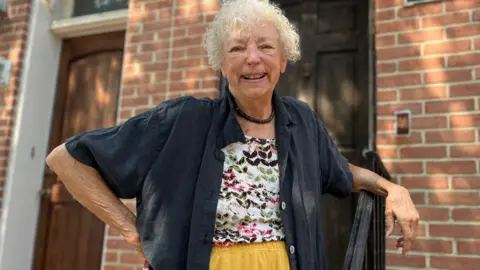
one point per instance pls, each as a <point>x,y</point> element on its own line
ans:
<point>182,105</point>
<point>299,110</point>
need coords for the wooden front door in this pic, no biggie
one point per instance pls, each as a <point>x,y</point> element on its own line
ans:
<point>69,236</point>
<point>332,77</point>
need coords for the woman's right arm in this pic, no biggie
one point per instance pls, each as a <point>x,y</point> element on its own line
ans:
<point>88,188</point>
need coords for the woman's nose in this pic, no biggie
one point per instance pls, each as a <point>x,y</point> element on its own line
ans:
<point>252,56</point>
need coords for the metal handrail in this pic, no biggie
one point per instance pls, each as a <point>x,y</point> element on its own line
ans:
<point>366,249</point>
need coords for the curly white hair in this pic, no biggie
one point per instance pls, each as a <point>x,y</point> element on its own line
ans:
<point>240,14</point>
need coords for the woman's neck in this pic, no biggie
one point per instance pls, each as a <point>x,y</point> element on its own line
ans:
<point>260,107</point>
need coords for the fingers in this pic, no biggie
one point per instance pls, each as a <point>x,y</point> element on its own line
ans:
<point>389,219</point>
<point>408,235</point>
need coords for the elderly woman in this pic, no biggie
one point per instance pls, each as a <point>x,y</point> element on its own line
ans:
<point>230,183</point>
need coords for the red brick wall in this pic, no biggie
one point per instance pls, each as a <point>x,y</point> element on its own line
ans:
<point>13,35</point>
<point>429,62</point>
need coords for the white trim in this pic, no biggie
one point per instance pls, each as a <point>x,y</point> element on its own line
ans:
<point>29,141</point>
<point>91,24</point>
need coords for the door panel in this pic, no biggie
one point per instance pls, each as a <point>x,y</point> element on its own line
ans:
<point>69,236</point>
<point>332,77</point>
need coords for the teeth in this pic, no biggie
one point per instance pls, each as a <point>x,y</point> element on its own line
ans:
<point>253,77</point>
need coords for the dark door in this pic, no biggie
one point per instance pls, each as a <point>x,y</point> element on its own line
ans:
<point>332,77</point>
<point>69,236</point>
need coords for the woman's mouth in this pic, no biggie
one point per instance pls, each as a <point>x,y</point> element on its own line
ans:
<point>254,77</point>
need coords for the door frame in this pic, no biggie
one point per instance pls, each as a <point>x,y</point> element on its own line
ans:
<point>31,133</point>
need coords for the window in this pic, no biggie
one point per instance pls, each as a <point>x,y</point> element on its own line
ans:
<point>415,2</point>
<point>87,7</point>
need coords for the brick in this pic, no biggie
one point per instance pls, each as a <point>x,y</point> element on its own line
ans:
<point>428,92</point>
<point>154,47</point>
<point>111,256</point>
<point>156,25</point>
<point>387,152</point>
<point>423,152</point>
<point>398,52</point>
<point>157,66</point>
<point>468,120</point>
<point>476,15</point>
<point>386,96</point>
<point>385,15</point>
<point>423,245</point>
<point>463,90</point>
<point>451,167</point>
<point>454,230</point>
<point>187,41</point>
<point>464,60</point>
<point>118,244</point>
<point>433,213</point>
<point>454,263</point>
<point>135,101</point>
<point>157,4</point>
<point>389,110</point>
<point>418,197</point>
<point>468,247</point>
<point>185,63</point>
<point>197,51</point>
<point>454,46</point>
<point>454,198</point>
<point>131,258</point>
<point>386,67</point>
<point>400,260</point>
<point>181,86</point>
<point>463,31</point>
<point>196,30</point>
<point>421,64</point>
<point>446,19</point>
<point>117,267</point>
<point>447,76</point>
<point>404,167</point>
<point>449,136</point>
<point>398,80</point>
<point>466,182</point>
<point>465,151</point>
<point>449,106</point>
<point>388,3</point>
<point>459,5</point>
<point>391,139</point>
<point>429,122</point>
<point>190,20</point>
<point>466,214</point>
<point>385,124</point>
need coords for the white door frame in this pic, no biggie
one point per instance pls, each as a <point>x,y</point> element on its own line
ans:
<point>31,131</point>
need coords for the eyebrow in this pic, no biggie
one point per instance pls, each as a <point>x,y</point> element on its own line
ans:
<point>242,40</point>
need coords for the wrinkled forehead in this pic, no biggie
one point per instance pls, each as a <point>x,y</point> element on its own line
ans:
<point>256,30</point>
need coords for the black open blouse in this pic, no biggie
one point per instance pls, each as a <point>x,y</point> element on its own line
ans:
<point>169,158</point>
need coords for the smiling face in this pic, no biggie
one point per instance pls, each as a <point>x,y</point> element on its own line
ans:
<point>252,61</point>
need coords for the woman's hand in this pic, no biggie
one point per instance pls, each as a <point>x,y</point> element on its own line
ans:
<point>399,208</point>
<point>133,238</point>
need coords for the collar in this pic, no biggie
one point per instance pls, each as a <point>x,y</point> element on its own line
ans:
<point>232,132</point>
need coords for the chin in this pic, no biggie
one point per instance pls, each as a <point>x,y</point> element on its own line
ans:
<point>256,92</point>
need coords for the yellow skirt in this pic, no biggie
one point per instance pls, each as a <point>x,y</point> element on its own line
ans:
<point>255,256</point>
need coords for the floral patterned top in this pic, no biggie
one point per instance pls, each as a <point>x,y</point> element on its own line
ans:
<point>248,207</point>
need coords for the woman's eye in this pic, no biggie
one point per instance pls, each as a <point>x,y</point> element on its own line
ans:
<point>266,46</point>
<point>235,49</point>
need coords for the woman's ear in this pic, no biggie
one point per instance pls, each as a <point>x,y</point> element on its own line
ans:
<point>283,65</point>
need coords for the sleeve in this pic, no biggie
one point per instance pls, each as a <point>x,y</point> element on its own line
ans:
<point>121,154</point>
<point>336,177</point>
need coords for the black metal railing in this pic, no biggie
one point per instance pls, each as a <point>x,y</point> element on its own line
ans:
<point>366,249</point>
